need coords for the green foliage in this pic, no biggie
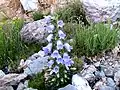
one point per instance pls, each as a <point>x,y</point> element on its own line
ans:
<point>38,15</point>
<point>69,29</point>
<point>73,12</point>
<point>12,49</point>
<point>78,65</point>
<point>38,82</point>
<point>92,40</point>
<point>10,44</point>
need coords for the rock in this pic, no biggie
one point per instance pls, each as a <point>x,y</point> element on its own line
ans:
<point>106,88</point>
<point>20,77</point>
<point>100,11</point>
<point>109,71</point>
<point>99,74</point>
<point>110,82</point>
<point>68,87</point>
<point>89,76</point>
<point>117,77</point>
<point>98,84</point>
<point>88,71</point>
<point>97,64</point>
<point>29,5</point>
<point>26,83</point>
<point>6,88</point>
<point>12,79</point>
<point>2,74</point>
<point>80,83</point>
<point>11,8</point>
<point>36,66</point>
<point>20,86</point>
<point>34,32</point>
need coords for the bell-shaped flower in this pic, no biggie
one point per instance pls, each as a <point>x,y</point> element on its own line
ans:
<point>60,23</point>
<point>50,28</point>
<point>61,34</point>
<point>68,63</point>
<point>50,63</point>
<point>48,18</point>
<point>55,69</point>
<point>68,47</point>
<point>50,37</point>
<point>59,60</point>
<point>66,56</point>
<point>55,54</point>
<point>48,48</point>
<point>59,45</point>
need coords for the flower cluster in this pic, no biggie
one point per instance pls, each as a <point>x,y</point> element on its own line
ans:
<point>57,48</point>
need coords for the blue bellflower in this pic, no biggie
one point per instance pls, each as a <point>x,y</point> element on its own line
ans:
<point>48,48</point>
<point>61,34</point>
<point>55,69</point>
<point>50,28</point>
<point>50,63</point>
<point>68,47</point>
<point>68,62</point>
<point>59,45</point>
<point>60,23</point>
<point>47,18</point>
<point>59,60</point>
<point>66,56</point>
<point>55,54</point>
<point>50,37</point>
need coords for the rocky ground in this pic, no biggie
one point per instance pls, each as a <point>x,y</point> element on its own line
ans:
<point>99,73</point>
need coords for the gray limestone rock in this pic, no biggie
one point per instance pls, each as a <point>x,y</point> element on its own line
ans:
<point>36,66</point>
<point>102,10</point>
<point>34,32</point>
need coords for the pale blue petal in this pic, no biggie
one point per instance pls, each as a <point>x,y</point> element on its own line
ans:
<point>50,37</point>
<point>68,47</point>
<point>59,45</point>
<point>55,54</point>
<point>56,69</point>
<point>61,34</point>
<point>50,28</point>
<point>50,63</point>
<point>60,23</point>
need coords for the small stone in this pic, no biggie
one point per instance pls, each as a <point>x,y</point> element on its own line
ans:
<point>26,83</point>
<point>109,71</point>
<point>106,88</point>
<point>110,82</point>
<point>2,74</point>
<point>99,74</point>
<point>97,64</point>
<point>89,76</point>
<point>80,83</point>
<point>117,77</point>
<point>98,84</point>
<point>20,86</point>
